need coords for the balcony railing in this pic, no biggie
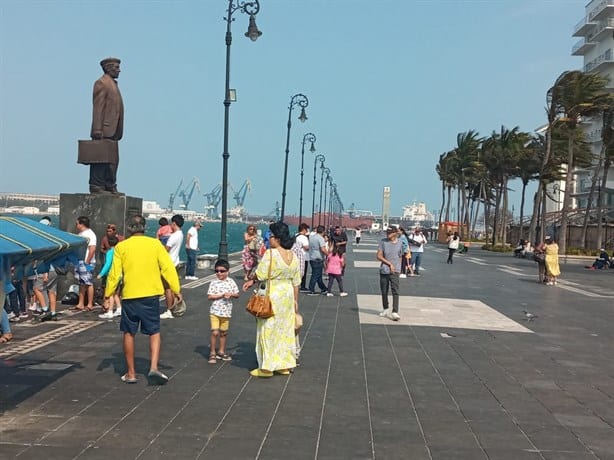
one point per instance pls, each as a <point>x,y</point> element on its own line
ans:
<point>594,135</point>
<point>583,27</point>
<point>600,8</point>
<point>605,57</point>
<point>601,27</point>
<point>582,45</point>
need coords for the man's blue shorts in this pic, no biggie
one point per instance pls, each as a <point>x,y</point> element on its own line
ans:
<point>144,311</point>
<point>84,274</point>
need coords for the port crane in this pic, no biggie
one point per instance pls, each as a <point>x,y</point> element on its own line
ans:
<point>276,212</point>
<point>171,199</point>
<point>213,200</point>
<point>239,196</point>
<point>187,196</point>
<point>351,211</point>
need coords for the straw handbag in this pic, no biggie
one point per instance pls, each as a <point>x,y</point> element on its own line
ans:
<point>259,304</point>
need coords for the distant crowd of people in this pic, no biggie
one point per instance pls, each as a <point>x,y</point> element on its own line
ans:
<point>138,269</point>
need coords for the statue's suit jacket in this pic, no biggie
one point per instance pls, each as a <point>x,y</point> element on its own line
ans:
<point>108,116</point>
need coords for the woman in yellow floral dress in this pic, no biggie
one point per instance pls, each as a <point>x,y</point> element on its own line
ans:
<point>553,269</point>
<point>275,341</point>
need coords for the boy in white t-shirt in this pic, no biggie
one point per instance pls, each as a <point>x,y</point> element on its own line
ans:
<point>221,291</point>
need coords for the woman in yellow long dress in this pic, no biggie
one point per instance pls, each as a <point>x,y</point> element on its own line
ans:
<point>275,341</point>
<point>553,269</point>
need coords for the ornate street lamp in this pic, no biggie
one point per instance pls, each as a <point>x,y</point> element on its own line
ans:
<point>323,170</point>
<point>321,159</point>
<point>309,137</point>
<point>331,209</point>
<point>252,33</point>
<point>302,101</point>
<point>327,181</point>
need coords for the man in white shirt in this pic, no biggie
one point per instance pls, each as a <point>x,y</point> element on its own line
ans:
<point>85,268</point>
<point>417,241</point>
<point>191,249</point>
<point>173,246</point>
<point>303,241</point>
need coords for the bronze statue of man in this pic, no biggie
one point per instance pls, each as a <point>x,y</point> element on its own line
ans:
<point>107,123</point>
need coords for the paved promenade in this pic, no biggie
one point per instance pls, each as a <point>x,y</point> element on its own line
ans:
<point>462,375</point>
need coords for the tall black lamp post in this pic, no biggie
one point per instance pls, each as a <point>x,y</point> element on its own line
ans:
<point>302,101</point>
<point>309,137</point>
<point>332,205</point>
<point>327,182</point>
<point>321,159</point>
<point>252,33</point>
<point>327,172</point>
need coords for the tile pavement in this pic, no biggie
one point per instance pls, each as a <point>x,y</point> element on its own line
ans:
<point>462,375</point>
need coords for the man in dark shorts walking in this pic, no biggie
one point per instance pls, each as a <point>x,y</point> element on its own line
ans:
<point>141,262</point>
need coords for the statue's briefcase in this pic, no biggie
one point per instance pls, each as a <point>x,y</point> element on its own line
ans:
<point>98,151</point>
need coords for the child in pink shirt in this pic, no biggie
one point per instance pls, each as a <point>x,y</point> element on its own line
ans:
<point>164,231</point>
<point>334,269</point>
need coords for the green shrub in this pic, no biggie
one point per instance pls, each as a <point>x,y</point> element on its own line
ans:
<point>582,252</point>
<point>497,248</point>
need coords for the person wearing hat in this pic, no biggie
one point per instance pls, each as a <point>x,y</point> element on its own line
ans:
<point>417,240</point>
<point>390,254</point>
<point>107,123</point>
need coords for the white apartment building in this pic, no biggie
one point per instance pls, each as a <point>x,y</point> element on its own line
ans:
<point>596,45</point>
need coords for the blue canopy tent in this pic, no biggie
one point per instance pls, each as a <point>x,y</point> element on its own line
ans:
<point>23,241</point>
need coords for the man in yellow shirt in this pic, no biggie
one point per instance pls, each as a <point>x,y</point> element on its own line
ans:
<point>140,262</point>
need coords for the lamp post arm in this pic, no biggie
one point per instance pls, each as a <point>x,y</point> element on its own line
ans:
<point>251,7</point>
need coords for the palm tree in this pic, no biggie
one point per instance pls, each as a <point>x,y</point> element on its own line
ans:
<point>579,94</point>
<point>503,150</point>
<point>446,174</point>
<point>607,162</point>
<point>528,169</point>
<point>467,147</point>
<point>551,112</point>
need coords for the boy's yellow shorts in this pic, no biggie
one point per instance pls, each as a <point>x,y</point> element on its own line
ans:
<point>219,322</point>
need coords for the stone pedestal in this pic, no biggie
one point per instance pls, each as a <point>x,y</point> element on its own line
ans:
<point>102,209</point>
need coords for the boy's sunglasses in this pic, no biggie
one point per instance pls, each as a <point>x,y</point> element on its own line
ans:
<point>221,271</point>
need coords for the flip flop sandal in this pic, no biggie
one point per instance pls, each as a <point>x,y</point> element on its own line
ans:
<point>126,379</point>
<point>212,359</point>
<point>157,378</point>
<point>6,338</point>
<point>224,357</point>
<point>261,373</point>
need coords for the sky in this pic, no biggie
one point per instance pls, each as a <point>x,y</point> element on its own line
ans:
<point>390,84</point>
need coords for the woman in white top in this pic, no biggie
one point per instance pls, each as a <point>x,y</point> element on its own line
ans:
<point>453,241</point>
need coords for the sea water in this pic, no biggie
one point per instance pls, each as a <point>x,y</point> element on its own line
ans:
<point>208,236</point>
